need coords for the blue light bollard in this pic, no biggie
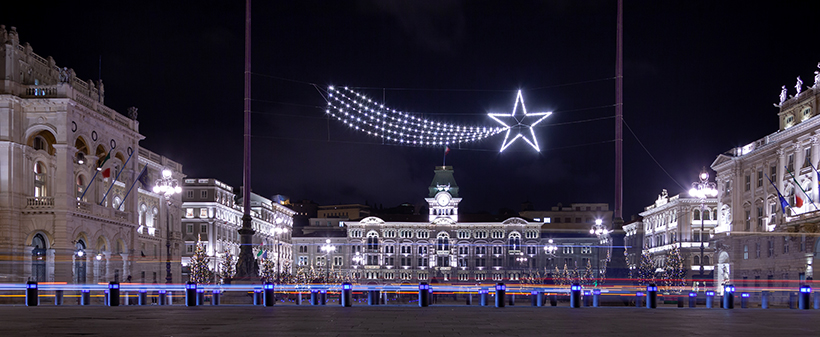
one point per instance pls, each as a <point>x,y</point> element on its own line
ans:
<point>639,299</point>
<point>511,299</point>
<point>469,298</point>
<point>142,297</point>
<point>346,297</point>
<point>729,297</point>
<point>32,298</point>
<point>554,300</point>
<point>85,297</point>
<point>314,296</point>
<point>269,300</point>
<point>323,297</point>
<point>113,294</point>
<point>693,299</point>
<point>373,297</point>
<point>764,299</point>
<point>651,296</point>
<point>540,298</point>
<point>105,297</point>
<point>805,297</point>
<point>596,297</point>
<point>710,299</point>
<point>483,297</point>
<point>792,300</point>
<point>575,296</point>
<point>424,294</point>
<point>500,293</point>
<point>58,297</point>
<point>257,296</point>
<point>534,298</point>
<point>215,297</point>
<point>587,298</point>
<point>190,294</point>
<point>744,300</point>
<point>817,300</point>
<point>161,299</point>
<point>200,296</point>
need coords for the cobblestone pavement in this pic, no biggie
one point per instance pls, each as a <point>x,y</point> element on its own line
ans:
<point>402,320</point>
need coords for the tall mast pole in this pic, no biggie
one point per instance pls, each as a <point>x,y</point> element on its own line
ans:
<point>619,115</point>
<point>247,268</point>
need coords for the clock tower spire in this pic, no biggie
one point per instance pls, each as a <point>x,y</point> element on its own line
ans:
<point>443,198</point>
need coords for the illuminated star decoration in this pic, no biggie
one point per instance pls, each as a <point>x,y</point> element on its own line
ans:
<point>519,125</point>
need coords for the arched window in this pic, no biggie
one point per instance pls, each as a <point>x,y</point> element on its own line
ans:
<point>116,203</point>
<point>515,241</point>
<point>696,215</point>
<point>39,143</point>
<point>443,242</point>
<point>706,260</point>
<point>697,260</point>
<point>79,262</point>
<point>40,179</point>
<point>38,258</point>
<point>143,214</point>
<point>372,241</point>
<point>706,215</point>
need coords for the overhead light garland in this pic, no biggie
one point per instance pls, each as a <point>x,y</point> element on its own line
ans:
<point>361,113</point>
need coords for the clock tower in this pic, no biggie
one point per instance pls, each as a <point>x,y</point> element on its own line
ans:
<point>443,198</point>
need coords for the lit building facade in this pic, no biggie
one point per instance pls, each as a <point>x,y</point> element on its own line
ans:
<point>758,242</point>
<point>677,221</point>
<point>67,165</point>
<point>213,217</point>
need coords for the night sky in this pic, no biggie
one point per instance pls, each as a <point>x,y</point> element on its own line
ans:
<point>700,78</point>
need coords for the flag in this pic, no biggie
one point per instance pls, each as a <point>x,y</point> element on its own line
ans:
<point>107,157</point>
<point>261,251</point>
<point>783,202</point>
<point>106,173</point>
<point>143,177</point>
<point>798,202</point>
<point>265,255</point>
<point>446,150</point>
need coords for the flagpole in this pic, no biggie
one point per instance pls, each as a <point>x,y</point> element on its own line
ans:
<point>783,202</point>
<point>115,178</point>
<point>801,187</point>
<point>95,175</point>
<point>132,187</point>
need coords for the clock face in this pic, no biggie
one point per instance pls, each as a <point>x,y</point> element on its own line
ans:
<point>443,199</point>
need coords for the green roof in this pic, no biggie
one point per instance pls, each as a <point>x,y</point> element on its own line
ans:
<point>443,177</point>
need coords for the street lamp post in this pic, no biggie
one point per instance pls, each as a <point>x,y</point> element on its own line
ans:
<point>278,231</point>
<point>167,186</point>
<point>703,189</point>
<point>356,261</point>
<point>602,232</point>
<point>327,248</point>
<point>549,250</point>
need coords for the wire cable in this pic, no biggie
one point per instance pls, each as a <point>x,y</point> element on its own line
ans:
<point>651,156</point>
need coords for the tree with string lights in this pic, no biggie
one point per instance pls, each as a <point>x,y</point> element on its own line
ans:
<point>675,270</point>
<point>227,269</point>
<point>646,269</point>
<point>200,272</point>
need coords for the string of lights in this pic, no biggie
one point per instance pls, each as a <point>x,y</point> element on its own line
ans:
<point>361,113</point>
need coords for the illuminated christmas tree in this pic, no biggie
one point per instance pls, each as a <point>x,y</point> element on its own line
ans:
<point>646,270</point>
<point>675,270</point>
<point>267,269</point>
<point>227,268</point>
<point>200,273</point>
<point>556,277</point>
<point>587,278</point>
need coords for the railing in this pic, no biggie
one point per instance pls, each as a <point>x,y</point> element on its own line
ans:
<point>40,202</point>
<point>84,207</point>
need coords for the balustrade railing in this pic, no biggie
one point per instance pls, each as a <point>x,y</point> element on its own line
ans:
<point>40,202</point>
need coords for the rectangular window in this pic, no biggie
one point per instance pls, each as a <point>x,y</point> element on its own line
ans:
<point>727,187</point>
<point>190,194</point>
<point>203,194</point>
<point>770,242</point>
<point>422,262</point>
<point>189,248</point>
<point>190,228</point>
<point>480,250</point>
<point>568,220</point>
<point>747,183</point>
<point>748,220</point>
<point>303,260</point>
<point>203,228</point>
<point>807,157</point>
<point>772,172</point>
<point>189,213</point>
<point>480,262</point>
<point>203,213</point>
<point>498,262</point>
<point>757,250</point>
<point>791,162</point>
<point>760,178</point>
<point>785,245</point>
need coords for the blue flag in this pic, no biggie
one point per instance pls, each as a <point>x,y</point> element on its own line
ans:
<point>265,255</point>
<point>143,177</point>
<point>783,202</point>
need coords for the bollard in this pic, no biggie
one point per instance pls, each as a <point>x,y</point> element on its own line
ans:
<point>483,296</point>
<point>805,297</point>
<point>105,297</point>
<point>651,296</point>
<point>113,294</point>
<point>190,294</point>
<point>424,294</point>
<point>432,298</point>
<point>575,296</point>
<point>142,297</point>
<point>299,298</point>
<point>554,300</point>
<point>85,297</point>
<point>346,299</point>
<point>161,297</point>
<point>744,300</point>
<point>680,301</point>
<point>469,298</point>
<point>693,298</point>
<point>729,297</point>
<point>269,300</point>
<point>511,299</point>
<point>215,297</point>
<point>200,296</point>
<point>534,298</point>
<point>314,297</point>
<point>710,298</point>
<point>169,297</point>
<point>816,300</point>
<point>373,297</point>
<point>32,298</point>
<point>792,300</point>
<point>58,297</point>
<point>500,293</point>
<point>587,298</point>
<point>596,298</point>
<point>384,298</point>
<point>323,297</point>
<point>540,298</point>
<point>639,299</point>
<point>764,299</point>
<point>257,296</point>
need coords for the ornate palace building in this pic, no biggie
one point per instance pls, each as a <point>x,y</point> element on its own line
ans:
<point>67,165</point>
<point>678,221</point>
<point>213,217</point>
<point>762,241</point>
<point>446,246</point>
